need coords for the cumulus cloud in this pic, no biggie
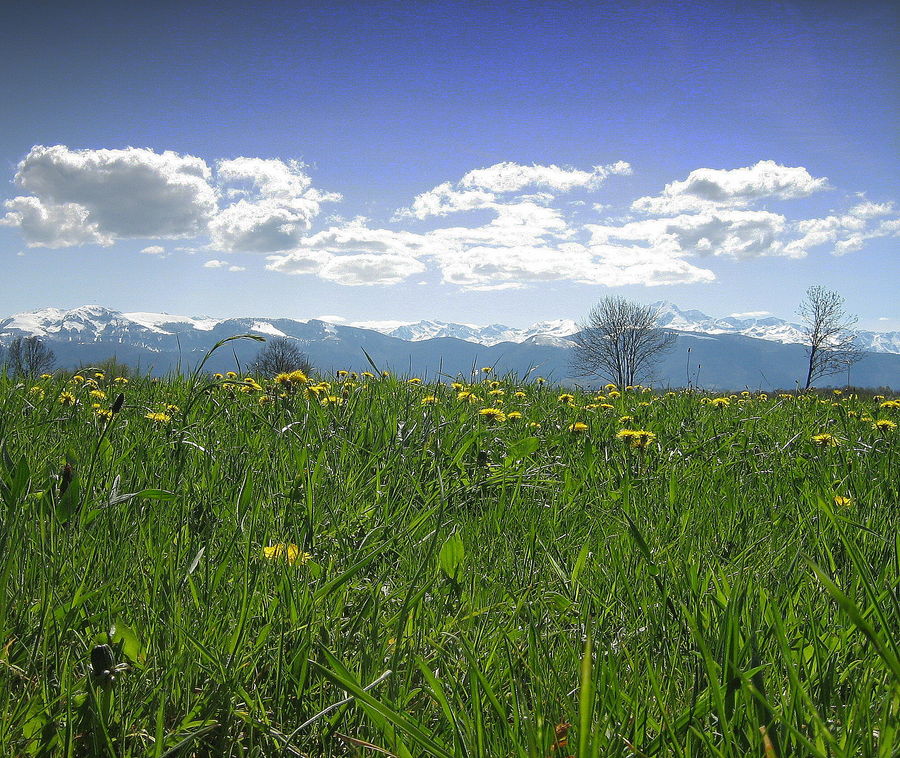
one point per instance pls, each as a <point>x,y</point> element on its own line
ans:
<point>847,232</point>
<point>215,264</point>
<point>76,197</point>
<point>707,187</point>
<point>153,250</point>
<point>277,204</point>
<point>514,177</point>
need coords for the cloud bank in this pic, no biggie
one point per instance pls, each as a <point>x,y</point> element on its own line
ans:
<point>499,227</point>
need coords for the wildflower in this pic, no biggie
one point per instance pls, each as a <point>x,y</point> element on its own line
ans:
<point>158,418</point>
<point>98,394</point>
<point>37,392</point>
<point>566,399</point>
<point>289,552</point>
<point>66,398</point>
<point>540,380</point>
<point>231,374</point>
<point>534,425</point>
<point>636,438</point>
<point>884,425</point>
<point>120,380</point>
<point>414,380</point>
<point>465,395</point>
<point>342,373</point>
<point>218,376</point>
<point>368,375</point>
<point>78,378</point>
<point>332,400</point>
<point>838,392</point>
<point>890,404</point>
<point>486,370</point>
<point>614,394</point>
<point>264,400</point>
<point>520,395</point>
<point>457,386</point>
<point>609,387</point>
<point>104,414</point>
<point>50,376</point>
<point>385,374</point>
<point>496,393</point>
<point>492,414</point>
<point>312,391</point>
<point>824,440</point>
<point>493,384</point>
<point>578,427</point>
<point>843,502</point>
<point>429,400</point>
<point>99,375</point>
<point>720,402</point>
<point>626,419</point>
<point>513,416</point>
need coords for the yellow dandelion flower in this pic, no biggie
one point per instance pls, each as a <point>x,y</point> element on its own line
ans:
<point>332,400</point>
<point>540,380</point>
<point>104,414</point>
<point>78,379</point>
<point>890,405</point>
<point>46,376</point>
<point>37,392</point>
<point>578,427</point>
<point>342,373</point>
<point>496,393</point>
<point>486,370</point>
<point>884,425</point>
<point>120,380</point>
<point>566,398</point>
<point>513,416</point>
<point>231,374</point>
<point>98,394</point>
<point>614,394</point>
<point>66,398</point>
<point>414,380</point>
<point>457,386</point>
<point>720,402</point>
<point>626,419</point>
<point>158,418</point>
<point>534,425</point>
<point>492,414</point>
<point>824,440</point>
<point>429,400</point>
<point>520,395</point>
<point>288,552</point>
<point>843,502</point>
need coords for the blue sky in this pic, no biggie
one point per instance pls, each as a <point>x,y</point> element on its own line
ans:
<point>460,161</point>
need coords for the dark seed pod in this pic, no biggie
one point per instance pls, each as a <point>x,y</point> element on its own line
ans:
<point>68,474</point>
<point>119,402</point>
<point>102,660</point>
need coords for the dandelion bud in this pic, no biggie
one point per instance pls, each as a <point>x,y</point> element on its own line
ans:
<point>119,402</point>
<point>102,661</point>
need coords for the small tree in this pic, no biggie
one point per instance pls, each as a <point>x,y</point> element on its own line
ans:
<point>620,341</point>
<point>29,356</point>
<point>280,356</point>
<point>830,337</point>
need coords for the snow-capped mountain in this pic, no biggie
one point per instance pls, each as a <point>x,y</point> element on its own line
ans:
<point>159,331</point>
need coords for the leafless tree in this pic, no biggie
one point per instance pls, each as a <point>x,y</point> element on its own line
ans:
<point>29,356</point>
<point>280,356</point>
<point>830,336</point>
<point>620,340</point>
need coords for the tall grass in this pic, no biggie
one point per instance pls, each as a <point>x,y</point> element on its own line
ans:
<point>460,587</point>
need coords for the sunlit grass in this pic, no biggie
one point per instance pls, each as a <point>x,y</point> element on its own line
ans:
<point>303,567</point>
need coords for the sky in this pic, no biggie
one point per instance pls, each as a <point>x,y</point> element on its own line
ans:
<point>468,162</point>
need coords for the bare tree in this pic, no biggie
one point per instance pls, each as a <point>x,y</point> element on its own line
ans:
<point>620,340</point>
<point>29,356</point>
<point>280,356</point>
<point>830,337</point>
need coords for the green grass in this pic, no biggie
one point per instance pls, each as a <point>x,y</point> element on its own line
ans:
<point>705,596</point>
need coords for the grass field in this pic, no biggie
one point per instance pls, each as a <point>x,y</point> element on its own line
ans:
<point>720,580</point>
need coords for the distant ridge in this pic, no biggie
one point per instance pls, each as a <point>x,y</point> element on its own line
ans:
<point>751,350</point>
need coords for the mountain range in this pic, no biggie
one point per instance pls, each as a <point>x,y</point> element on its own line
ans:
<point>751,350</point>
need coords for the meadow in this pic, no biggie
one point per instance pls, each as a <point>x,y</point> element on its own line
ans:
<point>361,565</point>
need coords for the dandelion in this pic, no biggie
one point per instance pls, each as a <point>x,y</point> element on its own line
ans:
<point>843,502</point>
<point>429,400</point>
<point>521,395</point>
<point>158,417</point>
<point>534,425</point>
<point>540,380</point>
<point>720,402</point>
<point>288,552</point>
<point>264,400</point>
<point>492,414</point>
<point>343,373</point>
<point>513,416</point>
<point>610,386</point>
<point>614,394</point>
<point>626,419</point>
<point>120,380</point>
<point>890,405</point>
<point>104,414</point>
<point>486,370</point>
<point>414,380</point>
<point>368,375</point>
<point>332,400</point>
<point>78,379</point>
<point>218,376</point>
<point>884,425</point>
<point>50,376</point>
<point>66,398</point>
<point>98,394</point>
<point>385,374</point>
<point>824,440</point>
<point>636,438</point>
<point>496,393</point>
<point>566,399</point>
<point>37,392</point>
<point>578,427</point>
<point>458,386</point>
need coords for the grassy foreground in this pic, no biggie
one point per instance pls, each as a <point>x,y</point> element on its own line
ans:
<point>481,584</point>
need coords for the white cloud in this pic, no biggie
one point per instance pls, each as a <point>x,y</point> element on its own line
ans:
<point>153,250</point>
<point>77,197</point>
<point>707,188</point>
<point>369,268</point>
<point>848,232</point>
<point>277,205</point>
<point>215,264</point>
<point>237,268</point>
<point>332,319</point>
<point>444,199</point>
<point>514,177</point>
